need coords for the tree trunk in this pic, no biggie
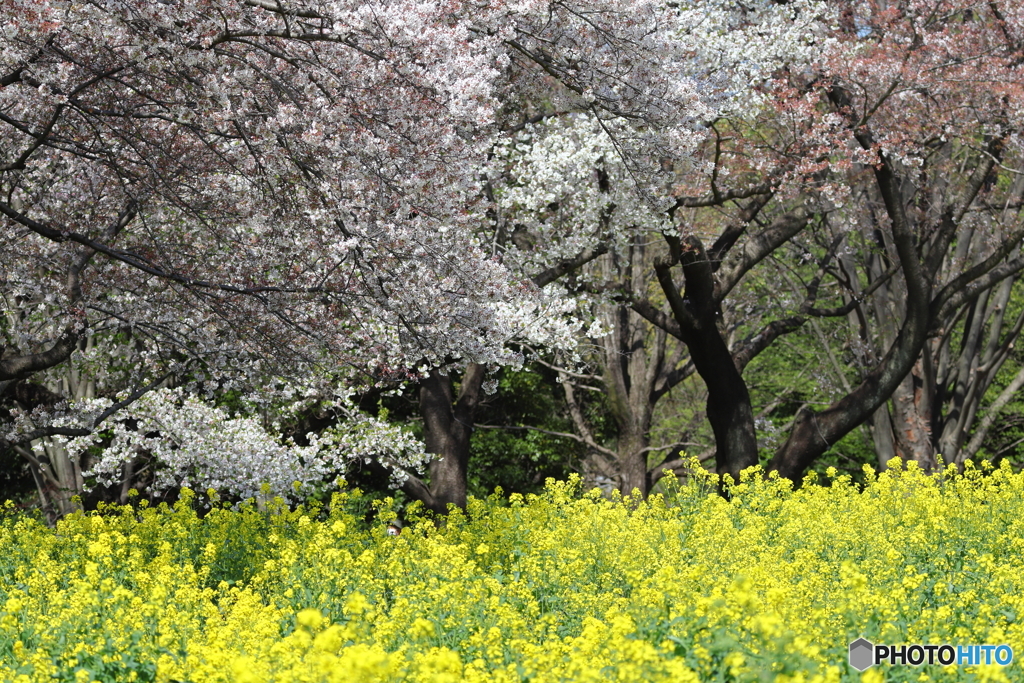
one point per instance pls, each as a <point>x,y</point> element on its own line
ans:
<point>912,419</point>
<point>632,447</point>
<point>880,424</point>
<point>448,423</point>
<point>728,408</point>
<point>58,477</point>
<point>632,366</point>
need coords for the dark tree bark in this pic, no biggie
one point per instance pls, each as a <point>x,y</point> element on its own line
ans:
<point>697,313</point>
<point>448,422</point>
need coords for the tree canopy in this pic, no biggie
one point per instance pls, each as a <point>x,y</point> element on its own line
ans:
<point>226,216</point>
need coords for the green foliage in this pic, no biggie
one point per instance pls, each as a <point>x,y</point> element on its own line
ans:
<point>519,460</point>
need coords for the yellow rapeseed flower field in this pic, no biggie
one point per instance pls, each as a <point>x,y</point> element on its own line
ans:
<point>770,585</point>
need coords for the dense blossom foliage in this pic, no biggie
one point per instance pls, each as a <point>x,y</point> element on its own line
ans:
<point>556,587</point>
<point>177,439</point>
<point>274,182</point>
<point>193,444</point>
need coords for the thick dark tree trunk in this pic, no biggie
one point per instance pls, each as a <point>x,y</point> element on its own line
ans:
<point>448,422</point>
<point>698,314</point>
<point>813,433</point>
<point>729,410</point>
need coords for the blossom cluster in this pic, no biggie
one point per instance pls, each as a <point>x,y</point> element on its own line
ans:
<point>769,585</point>
<point>188,442</point>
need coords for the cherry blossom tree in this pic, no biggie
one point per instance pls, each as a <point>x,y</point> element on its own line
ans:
<point>895,137</point>
<point>251,189</point>
<point>899,142</point>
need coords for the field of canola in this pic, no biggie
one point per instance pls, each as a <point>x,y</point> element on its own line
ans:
<point>769,586</point>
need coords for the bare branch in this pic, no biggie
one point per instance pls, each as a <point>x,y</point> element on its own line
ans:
<point>656,317</point>
<point>758,247</point>
<point>992,412</point>
<point>719,198</point>
<point>750,347</point>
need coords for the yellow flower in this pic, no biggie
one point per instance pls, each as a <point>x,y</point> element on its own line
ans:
<point>309,618</point>
<point>559,586</point>
<point>872,675</point>
<point>356,604</point>
<point>421,628</point>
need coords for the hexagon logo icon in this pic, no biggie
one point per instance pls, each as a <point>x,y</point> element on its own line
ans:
<point>862,654</point>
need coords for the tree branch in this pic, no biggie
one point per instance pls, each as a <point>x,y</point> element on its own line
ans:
<point>977,278</point>
<point>551,274</point>
<point>20,367</point>
<point>143,264</point>
<point>649,312</point>
<point>758,247</point>
<point>719,198</point>
<point>589,443</point>
<point>992,412</point>
<point>755,344</point>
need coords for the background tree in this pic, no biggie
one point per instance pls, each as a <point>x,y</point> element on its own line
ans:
<point>548,218</point>
<point>870,132</point>
<point>929,165</point>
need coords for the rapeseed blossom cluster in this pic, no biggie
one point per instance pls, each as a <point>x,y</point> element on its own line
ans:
<point>768,585</point>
